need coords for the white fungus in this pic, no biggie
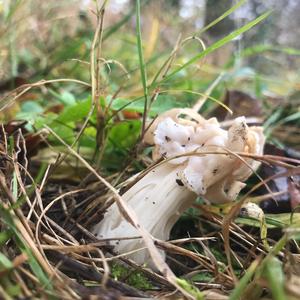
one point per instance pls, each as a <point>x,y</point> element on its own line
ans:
<point>163,194</point>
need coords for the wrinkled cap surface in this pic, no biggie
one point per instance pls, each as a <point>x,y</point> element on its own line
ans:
<point>216,177</point>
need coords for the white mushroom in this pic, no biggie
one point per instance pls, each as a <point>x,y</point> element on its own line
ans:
<point>164,193</point>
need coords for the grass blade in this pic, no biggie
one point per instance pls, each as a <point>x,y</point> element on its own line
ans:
<point>220,43</point>
<point>241,286</point>
<point>223,16</point>
<point>199,94</point>
<point>24,248</point>
<point>275,277</point>
<point>141,59</point>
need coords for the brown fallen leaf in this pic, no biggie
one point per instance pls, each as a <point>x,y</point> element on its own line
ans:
<point>241,104</point>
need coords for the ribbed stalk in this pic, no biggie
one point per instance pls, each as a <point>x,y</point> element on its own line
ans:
<point>158,199</point>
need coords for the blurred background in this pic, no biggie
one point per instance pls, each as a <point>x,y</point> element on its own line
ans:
<point>38,34</point>
<point>52,39</point>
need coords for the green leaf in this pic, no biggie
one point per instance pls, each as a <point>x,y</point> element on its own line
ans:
<point>42,120</point>
<point>75,112</point>
<point>125,134</point>
<point>30,110</point>
<point>66,97</point>
<point>65,131</point>
<point>88,139</point>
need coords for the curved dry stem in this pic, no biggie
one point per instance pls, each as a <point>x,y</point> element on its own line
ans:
<point>169,61</point>
<point>204,95</point>
<point>197,106</point>
<point>40,217</point>
<point>107,62</point>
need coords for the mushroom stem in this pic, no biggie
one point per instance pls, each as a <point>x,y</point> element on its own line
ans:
<point>158,199</point>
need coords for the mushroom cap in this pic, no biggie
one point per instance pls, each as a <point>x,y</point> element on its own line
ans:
<point>216,177</point>
<point>176,114</point>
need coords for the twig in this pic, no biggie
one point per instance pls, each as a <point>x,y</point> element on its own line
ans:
<point>68,264</point>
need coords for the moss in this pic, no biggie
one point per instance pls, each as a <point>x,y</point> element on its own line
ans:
<point>132,277</point>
